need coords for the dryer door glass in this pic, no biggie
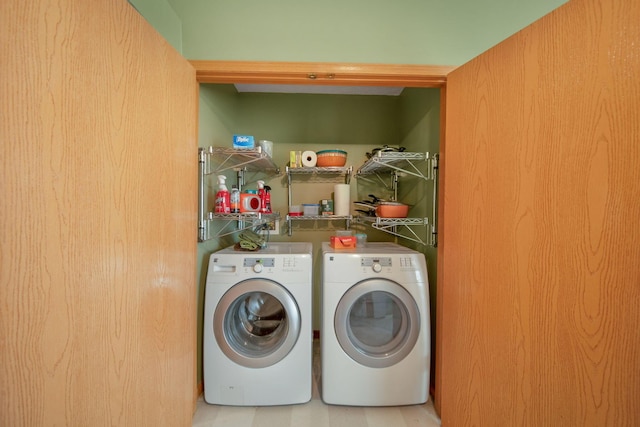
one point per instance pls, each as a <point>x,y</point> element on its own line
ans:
<point>256,323</point>
<point>377,323</point>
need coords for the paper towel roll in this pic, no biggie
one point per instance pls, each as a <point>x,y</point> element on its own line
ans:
<point>341,195</point>
<point>309,159</point>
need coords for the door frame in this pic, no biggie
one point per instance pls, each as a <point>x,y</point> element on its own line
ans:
<point>348,74</point>
<point>321,73</point>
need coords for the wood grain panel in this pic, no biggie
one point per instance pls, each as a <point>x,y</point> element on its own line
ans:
<point>439,326</point>
<point>539,280</point>
<point>321,73</point>
<point>98,177</point>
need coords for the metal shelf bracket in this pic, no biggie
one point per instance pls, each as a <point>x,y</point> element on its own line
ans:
<point>397,163</point>
<point>217,160</point>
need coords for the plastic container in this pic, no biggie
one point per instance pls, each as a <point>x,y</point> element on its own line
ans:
<point>295,210</point>
<point>342,242</point>
<point>266,146</point>
<point>311,209</point>
<point>341,233</point>
<point>267,200</point>
<point>223,200</point>
<point>249,202</point>
<point>234,198</point>
<point>361,240</point>
<point>262,194</point>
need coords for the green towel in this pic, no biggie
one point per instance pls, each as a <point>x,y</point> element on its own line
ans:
<point>250,246</point>
<point>251,240</point>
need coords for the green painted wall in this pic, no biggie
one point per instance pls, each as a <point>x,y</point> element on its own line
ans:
<point>295,122</point>
<point>443,32</point>
<point>420,126</point>
<point>160,14</point>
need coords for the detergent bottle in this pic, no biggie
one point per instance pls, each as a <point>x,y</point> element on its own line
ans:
<point>223,203</point>
<point>262,194</point>
<point>235,199</point>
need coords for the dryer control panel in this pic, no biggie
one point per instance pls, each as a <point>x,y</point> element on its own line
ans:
<point>371,261</point>
<point>376,263</point>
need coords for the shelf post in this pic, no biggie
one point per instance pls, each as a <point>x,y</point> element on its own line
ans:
<point>202,156</point>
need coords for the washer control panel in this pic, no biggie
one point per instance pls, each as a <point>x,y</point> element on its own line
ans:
<point>262,262</point>
<point>274,265</point>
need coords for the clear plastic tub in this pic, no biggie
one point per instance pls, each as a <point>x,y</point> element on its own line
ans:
<point>361,240</point>
<point>311,209</point>
<point>295,210</point>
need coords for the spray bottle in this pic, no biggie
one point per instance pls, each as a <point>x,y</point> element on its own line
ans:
<point>262,194</point>
<point>267,199</point>
<point>223,204</point>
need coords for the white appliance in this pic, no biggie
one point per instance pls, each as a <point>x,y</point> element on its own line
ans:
<point>257,344</point>
<point>375,336</point>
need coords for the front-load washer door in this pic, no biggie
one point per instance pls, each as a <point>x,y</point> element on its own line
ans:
<point>377,323</point>
<point>256,323</point>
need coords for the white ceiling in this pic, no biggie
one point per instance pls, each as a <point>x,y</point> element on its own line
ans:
<point>319,89</point>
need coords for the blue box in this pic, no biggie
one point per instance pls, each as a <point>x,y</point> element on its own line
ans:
<point>243,141</point>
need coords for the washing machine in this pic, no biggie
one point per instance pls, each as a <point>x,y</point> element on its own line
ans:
<point>257,343</point>
<point>375,338</point>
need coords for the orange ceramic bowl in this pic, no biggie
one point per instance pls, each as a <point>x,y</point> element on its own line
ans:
<point>331,158</point>
<point>392,210</point>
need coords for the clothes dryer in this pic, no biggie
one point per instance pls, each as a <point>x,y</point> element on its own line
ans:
<point>257,343</point>
<point>375,336</point>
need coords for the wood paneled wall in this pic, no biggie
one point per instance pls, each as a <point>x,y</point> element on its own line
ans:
<point>98,174</point>
<point>539,305</point>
